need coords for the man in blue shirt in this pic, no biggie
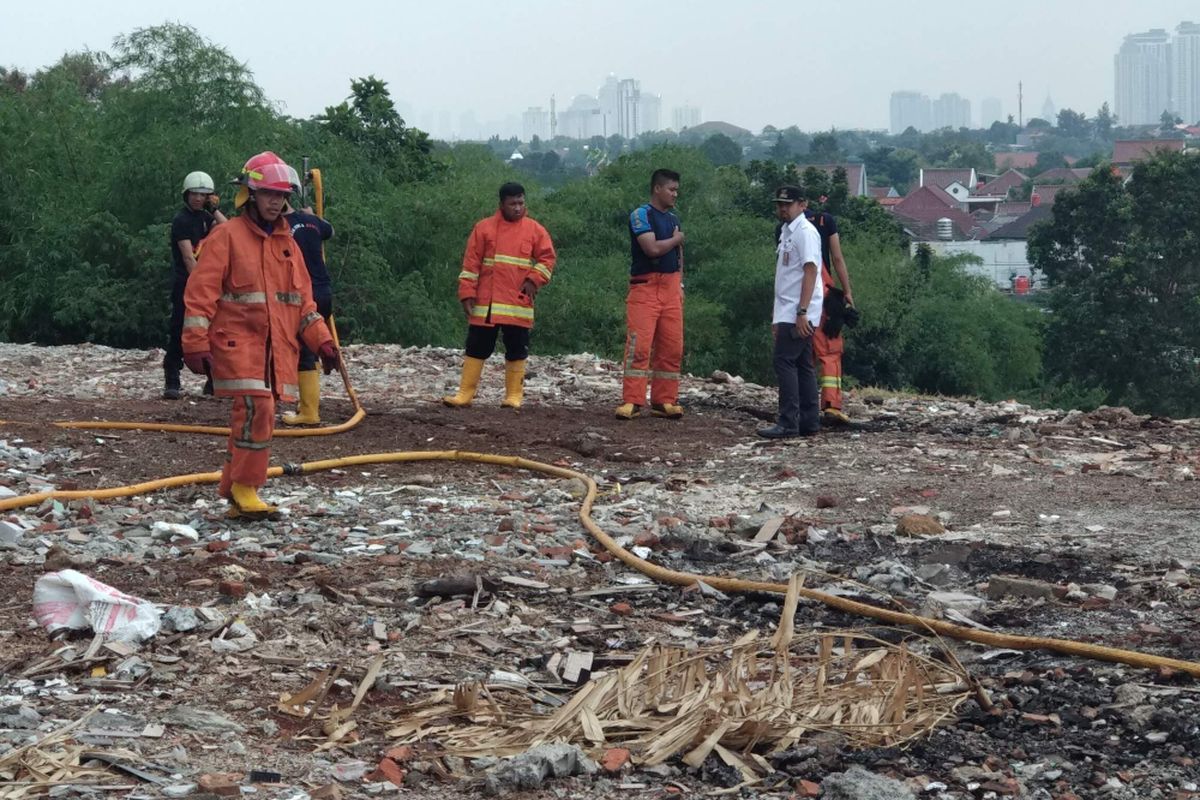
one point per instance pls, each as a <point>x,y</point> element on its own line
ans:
<point>654,306</point>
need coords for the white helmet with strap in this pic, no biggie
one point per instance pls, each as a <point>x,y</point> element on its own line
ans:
<point>198,182</point>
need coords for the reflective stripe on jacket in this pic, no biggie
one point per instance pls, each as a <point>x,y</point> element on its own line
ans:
<point>249,302</point>
<point>500,255</point>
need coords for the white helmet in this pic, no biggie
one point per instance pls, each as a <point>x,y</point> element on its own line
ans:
<point>199,182</point>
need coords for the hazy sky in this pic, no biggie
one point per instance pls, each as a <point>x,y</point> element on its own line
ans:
<point>750,63</point>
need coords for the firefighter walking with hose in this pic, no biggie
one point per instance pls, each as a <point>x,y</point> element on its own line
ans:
<point>249,304</point>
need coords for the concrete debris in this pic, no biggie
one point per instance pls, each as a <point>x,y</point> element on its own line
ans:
<point>857,783</point>
<point>531,769</point>
<point>1038,521</point>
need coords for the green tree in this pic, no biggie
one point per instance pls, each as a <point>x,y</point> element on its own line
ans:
<point>1074,124</point>
<point>780,151</point>
<point>721,150</point>
<point>1049,160</point>
<point>1104,123</point>
<point>824,148</point>
<point>1124,271</point>
<point>897,167</point>
<point>369,120</point>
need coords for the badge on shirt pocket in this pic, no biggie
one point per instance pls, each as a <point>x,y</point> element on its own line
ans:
<point>787,256</point>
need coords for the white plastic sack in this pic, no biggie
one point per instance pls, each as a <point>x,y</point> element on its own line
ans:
<point>70,599</point>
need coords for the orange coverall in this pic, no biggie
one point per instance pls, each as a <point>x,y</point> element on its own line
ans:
<point>499,256</point>
<point>249,302</point>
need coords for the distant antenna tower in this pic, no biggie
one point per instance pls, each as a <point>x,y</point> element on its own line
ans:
<point>553,119</point>
<point>1020,105</point>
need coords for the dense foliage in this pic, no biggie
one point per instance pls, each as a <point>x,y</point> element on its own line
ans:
<point>96,147</point>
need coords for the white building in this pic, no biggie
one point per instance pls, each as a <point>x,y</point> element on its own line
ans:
<point>651,112</point>
<point>583,119</point>
<point>1185,78</point>
<point>909,110</point>
<point>629,107</point>
<point>950,111</point>
<point>1143,77</point>
<point>535,122</point>
<point>685,116</point>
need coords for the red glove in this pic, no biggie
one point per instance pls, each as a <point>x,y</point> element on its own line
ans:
<point>330,359</point>
<point>199,363</point>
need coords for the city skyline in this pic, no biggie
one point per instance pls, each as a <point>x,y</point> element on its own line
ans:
<point>1158,71</point>
<point>473,65</point>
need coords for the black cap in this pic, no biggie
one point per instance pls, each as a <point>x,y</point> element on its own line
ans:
<point>789,194</point>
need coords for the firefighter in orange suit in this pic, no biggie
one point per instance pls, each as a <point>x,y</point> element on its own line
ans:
<point>248,303</point>
<point>828,344</point>
<point>654,306</point>
<point>508,259</point>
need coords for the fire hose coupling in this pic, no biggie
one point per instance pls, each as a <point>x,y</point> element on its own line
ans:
<point>293,469</point>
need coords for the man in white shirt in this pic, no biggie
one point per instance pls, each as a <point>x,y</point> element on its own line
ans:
<point>798,297</point>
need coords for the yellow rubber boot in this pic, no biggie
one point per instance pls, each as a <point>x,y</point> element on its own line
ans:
<point>514,383</point>
<point>472,369</point>
<point>246,502</point>
<point>628,410</point>
<point>667,410</point>
<point>308,412</point>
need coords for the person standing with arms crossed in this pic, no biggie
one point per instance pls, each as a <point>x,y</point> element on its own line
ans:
<point>797,312</point>
<point>654,306</point>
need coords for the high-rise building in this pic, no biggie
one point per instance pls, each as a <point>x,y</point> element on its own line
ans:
<point>910,110</point>
<point>629,106</point>
<point>990,112</point>
<point>1143,77</point>
<point>535,122</point>
<point>650,113</point>
<point>950,111</point>
<point>609,96</point>
<point>685,116</point>
<point>583,119</point>
<point>1185,78</point>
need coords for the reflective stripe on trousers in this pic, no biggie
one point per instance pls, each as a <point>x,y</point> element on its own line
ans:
<point>827,353</point>
<point>654,338</point>
<point>251,425</point>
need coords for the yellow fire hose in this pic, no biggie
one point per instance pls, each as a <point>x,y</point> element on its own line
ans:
<point>662,574</point>
<point>723,583</point>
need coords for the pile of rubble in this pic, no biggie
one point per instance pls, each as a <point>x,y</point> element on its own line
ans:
<point>293,658</point>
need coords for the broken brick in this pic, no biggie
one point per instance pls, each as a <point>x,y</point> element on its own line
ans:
<point>388,770</point>
<point>808,789</point>
<point>224,784</point>
<point>614,759</point>
<point>217,546</point>
<point>646,539</point>
<point>232,588</point>
<point>621,609</point>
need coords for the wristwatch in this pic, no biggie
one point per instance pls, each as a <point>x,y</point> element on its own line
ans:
<point>802,312</point>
